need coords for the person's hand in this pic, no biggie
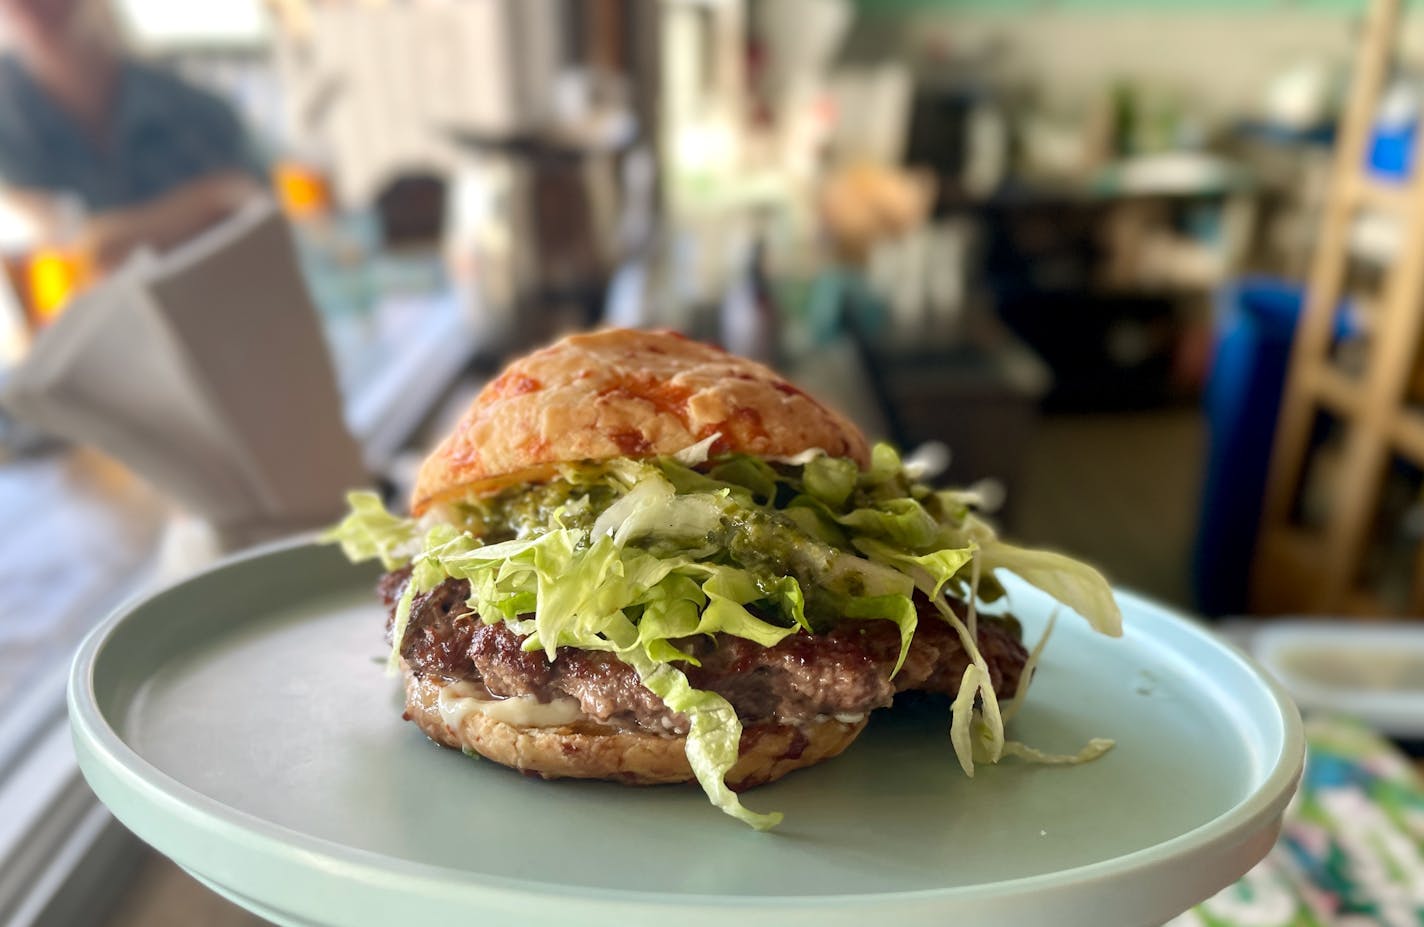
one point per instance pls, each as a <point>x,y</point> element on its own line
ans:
<point>108,238</point>
<point>228,192</point>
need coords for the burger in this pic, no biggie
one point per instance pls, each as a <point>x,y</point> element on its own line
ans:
<point>640,558</point>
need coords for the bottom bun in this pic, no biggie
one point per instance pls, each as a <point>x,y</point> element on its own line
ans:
<point>589,750</point>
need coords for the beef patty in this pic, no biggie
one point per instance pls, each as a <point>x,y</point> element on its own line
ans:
<point>844,672</point>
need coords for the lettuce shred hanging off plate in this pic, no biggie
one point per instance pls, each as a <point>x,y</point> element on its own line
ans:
<point>629,556</point>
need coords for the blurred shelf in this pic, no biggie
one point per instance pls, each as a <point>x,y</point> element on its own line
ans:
<point>1320,572</point>
<point>1337,391</point>
<point>1408,435</point>
<point>1380,194</point>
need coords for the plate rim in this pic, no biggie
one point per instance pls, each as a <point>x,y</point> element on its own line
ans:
<point>97,740</point>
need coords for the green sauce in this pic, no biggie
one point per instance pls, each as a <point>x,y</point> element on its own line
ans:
<point>528,510</point>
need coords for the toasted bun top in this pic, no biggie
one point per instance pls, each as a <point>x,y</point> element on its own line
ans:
<point>621,393</point>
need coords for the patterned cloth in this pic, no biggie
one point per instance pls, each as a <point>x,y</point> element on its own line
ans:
<point>1352,852</point>
<point>163,132</point>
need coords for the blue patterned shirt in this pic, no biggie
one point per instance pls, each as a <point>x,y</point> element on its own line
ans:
<point>163,133</point>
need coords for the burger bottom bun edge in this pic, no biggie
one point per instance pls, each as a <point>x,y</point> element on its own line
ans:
<point>594,751</point>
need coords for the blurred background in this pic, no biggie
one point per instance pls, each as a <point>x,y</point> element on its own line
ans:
<point>258,252</point>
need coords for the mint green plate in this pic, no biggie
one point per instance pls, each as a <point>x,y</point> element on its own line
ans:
<point>242,724</point>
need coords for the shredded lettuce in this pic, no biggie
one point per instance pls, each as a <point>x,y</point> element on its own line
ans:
<point>729,591</point>
<point>975,682</point>
<point>961,713</point>
<point>713,738</point>
<point>930,572</point>
<point>1029,667</point>
<point>638,558</point>
<point>830,479</point>
<point>750,473</point>
<point>885,466</point>
<point>896,608</point>
<point>1076,585</point>
<point>369,532</point>
<point>653,508</point>
<point>1091,751</point>
<point>903,522</point>
<point>714,733</point>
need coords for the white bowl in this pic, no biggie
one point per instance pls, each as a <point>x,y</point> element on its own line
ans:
<point>1374,672</point>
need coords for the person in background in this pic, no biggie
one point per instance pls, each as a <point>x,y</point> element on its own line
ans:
<point>150,158</point>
